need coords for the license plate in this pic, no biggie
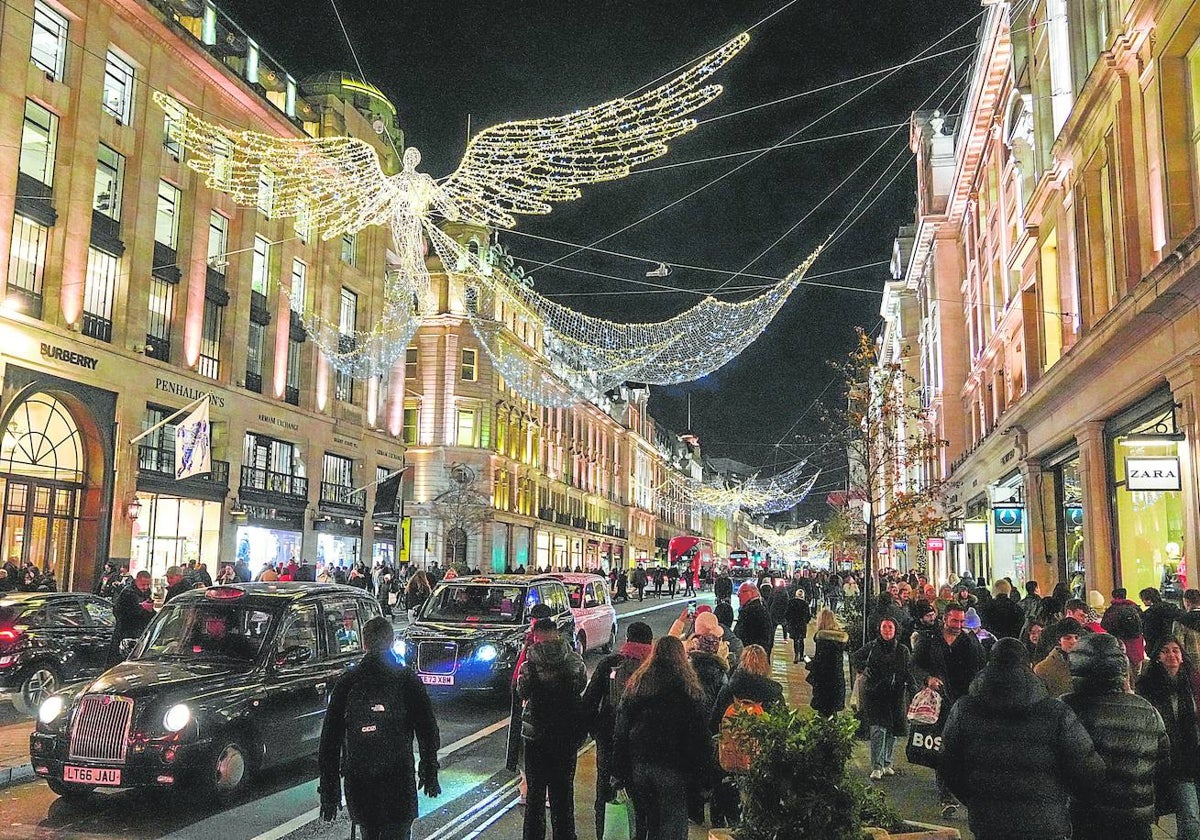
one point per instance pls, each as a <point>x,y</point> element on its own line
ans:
<point>92,775</point>
<point>437,679</point>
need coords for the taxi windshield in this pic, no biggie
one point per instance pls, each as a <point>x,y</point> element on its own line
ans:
<point>475,602</point>
<point>206,631</point>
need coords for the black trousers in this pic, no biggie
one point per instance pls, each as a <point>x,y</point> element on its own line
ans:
<point>549,767</point>
<point>387,831</point>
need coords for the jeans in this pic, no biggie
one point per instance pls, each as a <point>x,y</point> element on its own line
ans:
<point>549,767</point>
<point>883,745</point>
<point>387,831</point>
<point>660,802</point>
<point>1187,811</point>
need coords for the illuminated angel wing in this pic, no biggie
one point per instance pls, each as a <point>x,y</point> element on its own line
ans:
<point>521,167</point>
<point>334,183</point>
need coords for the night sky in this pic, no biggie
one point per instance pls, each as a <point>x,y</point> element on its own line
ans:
<point>496,60</point>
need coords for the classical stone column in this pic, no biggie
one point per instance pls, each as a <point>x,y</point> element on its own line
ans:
<point>1098,555</point>
<point>1039,521</point>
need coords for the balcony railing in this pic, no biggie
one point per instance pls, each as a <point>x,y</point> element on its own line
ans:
<point>158,348</point>
<point>259,313</point>
<point>254,382</point>
<point>343,496</point>
<point>25,300</point>
<point>158,465</point>
<point>546,514</point>
<point>260,481</point>
<point>291,395</point>
<point>97,327</point>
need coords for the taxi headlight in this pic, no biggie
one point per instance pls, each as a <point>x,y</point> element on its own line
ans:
<point>50,709</point>
<point>177,717</point>
<point>486,653</point>
<point>400,648</point>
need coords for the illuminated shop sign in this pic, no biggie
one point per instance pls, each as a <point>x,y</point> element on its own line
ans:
<point>1152,473</point>
<point>1008,520</point>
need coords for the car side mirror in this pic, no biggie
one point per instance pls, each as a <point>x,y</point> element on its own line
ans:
<point>125,647</point>
<point>294,655</point>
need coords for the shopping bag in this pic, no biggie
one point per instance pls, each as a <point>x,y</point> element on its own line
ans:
<point>924,744</point>
<point>856,691</point>
<point>618,818</point>
<point>926,707</point>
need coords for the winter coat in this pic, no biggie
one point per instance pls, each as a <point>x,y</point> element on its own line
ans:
<point>754,626</point>
<point>887,681</point>
<point>799,613</point>
<point>1176,703</point>
<point>1055,673</point>
<point>743,685</point>
<point>551,682</point>
<point>1014,756</point>
<point>1002,617</point>
<point>1130,736</point>
<point>379,799</point>
<point>735,644</point>
<point>664,729</point>
<point>956,666</point>
<point>827,672</point>
<point>779,603</point>
<point>1158,621</point>
<point>639,578</point>
<point>723,588</point>
<point>602,714</point>
<point>131,618</point>
<point>1190,638</point>
<point>1123,619</point>
<point>713,671</point>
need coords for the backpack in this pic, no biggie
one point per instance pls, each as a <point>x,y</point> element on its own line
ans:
<point>736,748</point>
<point>375,725</point>
<point>617,679</point>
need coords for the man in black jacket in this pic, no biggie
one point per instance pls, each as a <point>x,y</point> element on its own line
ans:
<point>550,682</point>
<point>1002,616</point>
<point>754,625</point>
<point>375,711</point>
<point>1014,755</point>
<point>1129,735</point>
<point>133,609</point>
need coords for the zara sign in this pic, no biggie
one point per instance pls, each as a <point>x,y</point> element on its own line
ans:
<point>1152,473</point>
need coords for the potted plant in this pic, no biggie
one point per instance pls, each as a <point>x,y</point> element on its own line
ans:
<point>798,786</point>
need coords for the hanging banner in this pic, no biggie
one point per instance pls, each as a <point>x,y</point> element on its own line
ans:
<point>1008,520</point>
<point>193,444</point>
<point>935,543</point>
<point>1152,473</point>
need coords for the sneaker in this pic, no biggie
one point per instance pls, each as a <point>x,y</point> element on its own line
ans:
<point>876,775</point>
<point>949,809</point>
<point>889,771</point>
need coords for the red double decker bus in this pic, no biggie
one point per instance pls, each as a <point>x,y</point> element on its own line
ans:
<point>697,552</point>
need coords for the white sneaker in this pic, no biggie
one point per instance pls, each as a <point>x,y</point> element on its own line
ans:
<point>889,771</point>
<point>876,775</point>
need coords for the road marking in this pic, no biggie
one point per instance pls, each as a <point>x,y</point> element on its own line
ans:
<point>644,610</point>
<point>496,816</point>
<point>470,814</point>
<point>467,740</point>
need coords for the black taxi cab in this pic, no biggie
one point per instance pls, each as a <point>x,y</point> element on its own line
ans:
<point>470,631</point>
<point>224,682</point>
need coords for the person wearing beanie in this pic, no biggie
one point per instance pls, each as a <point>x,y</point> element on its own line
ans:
<point>1053,671</point>
<point>974,625</point>
<point>754,625</point>
<point>925,621</point>
<point>1014,755</point>
<point>1129,735</point>
<point>600,700</point>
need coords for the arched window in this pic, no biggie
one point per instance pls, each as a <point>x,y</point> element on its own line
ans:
<point>42,440</point>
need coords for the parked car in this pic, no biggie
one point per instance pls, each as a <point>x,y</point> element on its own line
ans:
<point>470,631</point>
<point>224,682</point>
<point>48,639</point>
<point>592,606</point>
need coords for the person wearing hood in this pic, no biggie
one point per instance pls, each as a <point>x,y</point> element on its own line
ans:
<point>380,779</point>
<point>1129,735</point>
<point>887,682</point>
<point>925,621</point>
<point>1054,671</point>
<point>827,671</point>
<point>551,682</point>
<point>754,625</point>
<point>661,752</point>
<point>798,615</point>
<point>709,655</point>
<point>601,699</point>
<point>1167,684</point>
<point>1014,755</point>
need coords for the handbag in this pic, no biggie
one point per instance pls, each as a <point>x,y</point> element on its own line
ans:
<point>618,818</point>
<point>924,744</point>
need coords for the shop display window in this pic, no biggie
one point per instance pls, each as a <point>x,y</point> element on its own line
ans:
<point>172,531</point>
<point>1149,523</point>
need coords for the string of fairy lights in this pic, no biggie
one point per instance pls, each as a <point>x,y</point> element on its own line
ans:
<point>757,496</point>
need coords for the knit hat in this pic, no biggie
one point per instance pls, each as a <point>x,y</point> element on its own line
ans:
<point>707,643</point>
<point>1009,653</point>
<point>972,621</point>
<point>747,593</point>
<point>924,608</point>
<point>703,608</point>
<point>639,633</point>
<point>1098,656</point>
<point>1095,600</point>
<point>707,625</point>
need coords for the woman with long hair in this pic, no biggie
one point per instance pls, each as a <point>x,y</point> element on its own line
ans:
<point>417,593</point>
<point>887,683</point>
<point>827,671</point>
<point>661,749</point>
<point>1167,684</point>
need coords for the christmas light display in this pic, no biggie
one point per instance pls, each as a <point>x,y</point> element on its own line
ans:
<point>754,495</point>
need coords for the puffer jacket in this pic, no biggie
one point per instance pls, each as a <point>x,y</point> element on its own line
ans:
<point>1014,756</point>
<point>743,685</point>
<point>551,682</point>
<point>827,672</point>
<point>887,681</point>
<point>1131,738</point>
<point>713,671</point>
<point>664,729</point>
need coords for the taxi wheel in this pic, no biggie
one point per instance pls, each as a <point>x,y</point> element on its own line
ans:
<point>229,770</point>
<point>611,644</point>
<point>37,684</point>
<point>69,791</point>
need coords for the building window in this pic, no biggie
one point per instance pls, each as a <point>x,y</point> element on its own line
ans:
<point>468,371</point>
<point>38,138</point>
<point>411,355</point>
<point>412,416</point>
<point>254,358</point>
<point>348,314</point>
<point>292,389</point>
<point>49,48</point>
<point>299,290</point>
<point>27,265</point>
<point>266,190</point>
<point>304,220</point>
<point>210,340</point>
<point>118,87</point>
<point>106,197</point>
<point>350,248</point>
<point>338,470</point>
<point>259,276</point>
<point>158,326</point>
<point>98,291</point>
<point>466,427</point>
<point>218,242</point>
<point>166,218</point>
<point>171,141</point>
<point>343,382</point>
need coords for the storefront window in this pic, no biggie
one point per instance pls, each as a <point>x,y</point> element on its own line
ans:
<point>259,546</point>
<point>171,531</point>
<point>543,551</point>
<point>1149,511</point>
<point>336,549</point>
